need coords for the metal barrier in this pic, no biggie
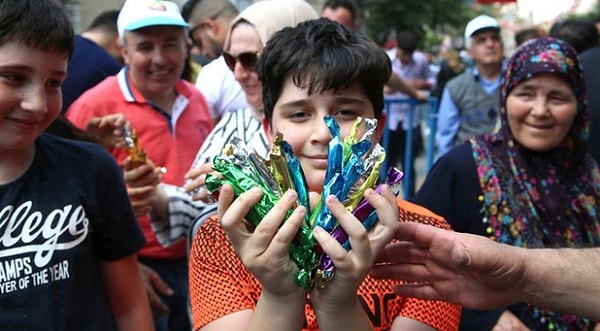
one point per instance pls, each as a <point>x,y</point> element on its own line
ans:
<point>414,106</point>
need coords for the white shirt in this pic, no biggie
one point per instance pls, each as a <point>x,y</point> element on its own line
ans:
<point>222,92</point>
<point>417,68</point>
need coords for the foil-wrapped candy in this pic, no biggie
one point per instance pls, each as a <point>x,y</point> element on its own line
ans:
<point>353,166</point>
<point>135,153</point>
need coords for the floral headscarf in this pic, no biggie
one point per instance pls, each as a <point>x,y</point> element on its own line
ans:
<point>535,199</point>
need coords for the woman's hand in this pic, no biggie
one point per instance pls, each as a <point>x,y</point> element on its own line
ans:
<point>196,180</point>
<point>264,250</point>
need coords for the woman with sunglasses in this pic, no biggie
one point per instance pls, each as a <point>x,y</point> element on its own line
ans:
<point>248,34</point>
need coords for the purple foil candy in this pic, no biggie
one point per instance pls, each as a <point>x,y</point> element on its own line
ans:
<point>365,213</point>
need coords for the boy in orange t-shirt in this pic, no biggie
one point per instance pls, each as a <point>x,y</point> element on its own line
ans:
<point>243,279</point>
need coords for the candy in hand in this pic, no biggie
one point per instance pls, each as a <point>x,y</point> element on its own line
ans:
<point>353,167</point>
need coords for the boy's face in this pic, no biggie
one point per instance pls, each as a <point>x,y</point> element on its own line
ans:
<point>156,57</point>
<point>299,118</point>
<point>30,95</point>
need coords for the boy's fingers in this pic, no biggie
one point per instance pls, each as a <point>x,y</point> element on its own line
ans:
<point>232,212</point>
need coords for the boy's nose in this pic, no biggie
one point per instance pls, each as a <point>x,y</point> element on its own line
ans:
<point>34,100</point>
<point>321,132</point>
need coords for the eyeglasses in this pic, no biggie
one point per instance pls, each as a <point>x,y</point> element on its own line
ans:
<point>248,60</point>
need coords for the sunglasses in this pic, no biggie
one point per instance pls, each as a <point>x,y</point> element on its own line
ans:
<point>248,60</point>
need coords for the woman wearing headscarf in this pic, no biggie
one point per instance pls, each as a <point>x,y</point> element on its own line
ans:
<point>531,184</point>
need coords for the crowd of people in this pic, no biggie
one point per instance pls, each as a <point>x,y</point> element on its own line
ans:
<point>107,139</point>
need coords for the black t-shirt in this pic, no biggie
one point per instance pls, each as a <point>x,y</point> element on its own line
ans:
<point>65,214</point>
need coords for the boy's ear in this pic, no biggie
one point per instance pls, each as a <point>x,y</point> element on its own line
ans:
<point>381,124</point>
<point>267,128</point>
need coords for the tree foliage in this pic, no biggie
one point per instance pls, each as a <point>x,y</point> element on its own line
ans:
<point>429,18</point>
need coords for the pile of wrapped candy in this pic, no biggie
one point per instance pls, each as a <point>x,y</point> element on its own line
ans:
<point>353,166</point>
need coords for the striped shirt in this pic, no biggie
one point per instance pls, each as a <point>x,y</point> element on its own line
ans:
<point>241,123</point>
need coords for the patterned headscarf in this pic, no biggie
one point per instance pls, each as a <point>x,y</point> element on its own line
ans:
<point>535,199</point>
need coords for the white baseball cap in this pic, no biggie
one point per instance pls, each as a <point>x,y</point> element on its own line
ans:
<point>138,14</point>
<point>479,23</point>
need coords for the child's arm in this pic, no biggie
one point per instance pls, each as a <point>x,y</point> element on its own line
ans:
<point>125,295</point>
<point>336,306</point>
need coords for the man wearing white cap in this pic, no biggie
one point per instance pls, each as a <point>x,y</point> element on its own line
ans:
<point>470,101</point>
<point>171,119</point>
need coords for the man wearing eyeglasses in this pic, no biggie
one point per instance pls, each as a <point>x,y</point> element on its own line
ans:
<point>209,22</point>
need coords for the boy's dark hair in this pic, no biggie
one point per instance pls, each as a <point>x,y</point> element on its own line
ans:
<point>407,41</point>
<point>579,33</point>
<point>322,55</point>
<point>39,24</point>
<point>106,21</point>
<point>347,4</point>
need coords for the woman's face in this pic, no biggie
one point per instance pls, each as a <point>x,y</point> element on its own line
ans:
<point>245,40</point>
<point>541,111</point>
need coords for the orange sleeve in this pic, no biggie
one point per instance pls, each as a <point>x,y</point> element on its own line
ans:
<point>415,213</point>
<point>440,315</point>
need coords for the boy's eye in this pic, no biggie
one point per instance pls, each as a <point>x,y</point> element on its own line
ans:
<point>55,83</point>
<point>299,114</point>
<point>346,114</point>
<point>16,78</point>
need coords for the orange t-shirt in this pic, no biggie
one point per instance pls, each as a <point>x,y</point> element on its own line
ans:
<point>221,285</point>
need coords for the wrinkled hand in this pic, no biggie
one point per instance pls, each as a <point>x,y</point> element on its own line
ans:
<point>197,180</point>
<point>154,285</point>
<point>439,264</point>
<point>265,249</point>
<point>142,185</point>
<point>352,266</point>
<point>107,130</point>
